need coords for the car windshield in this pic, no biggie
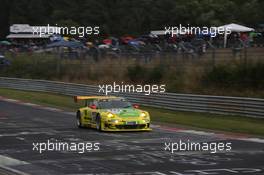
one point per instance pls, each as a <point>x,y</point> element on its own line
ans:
<point>109,104</point>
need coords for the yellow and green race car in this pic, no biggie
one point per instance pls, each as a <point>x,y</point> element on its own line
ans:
<point>109,113</point>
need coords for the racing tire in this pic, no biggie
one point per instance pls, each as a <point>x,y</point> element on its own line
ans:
<point>78,120</point>
<point>98,123</point>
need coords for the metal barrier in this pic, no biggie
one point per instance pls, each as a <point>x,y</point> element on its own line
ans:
<point>251,107</point>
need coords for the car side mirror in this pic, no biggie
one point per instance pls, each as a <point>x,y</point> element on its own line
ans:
<point>93,106</point>
<point>136,106</point>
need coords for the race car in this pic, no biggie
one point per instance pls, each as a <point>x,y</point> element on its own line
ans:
<point>109,113</point>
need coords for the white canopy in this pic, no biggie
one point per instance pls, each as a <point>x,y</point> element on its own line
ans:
<point>10,36</point>
<point>236,28</point>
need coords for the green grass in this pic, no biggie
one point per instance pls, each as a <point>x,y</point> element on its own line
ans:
<point>236,124</point>
<point>41,98</point>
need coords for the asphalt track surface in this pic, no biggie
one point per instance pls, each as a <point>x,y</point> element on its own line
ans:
<point>120,153</point>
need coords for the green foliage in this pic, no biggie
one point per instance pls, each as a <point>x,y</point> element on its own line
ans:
<point>119,17</point>
<point>238,76</point>
<point>145,74</point>
<point>31,67</point>
<point>136,73</point>
<point>228,79</point>
<point>155,74</point>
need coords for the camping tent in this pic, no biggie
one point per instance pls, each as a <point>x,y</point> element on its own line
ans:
<point>234,28</point>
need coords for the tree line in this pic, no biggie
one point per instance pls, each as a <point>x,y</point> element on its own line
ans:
<point>135,17</point>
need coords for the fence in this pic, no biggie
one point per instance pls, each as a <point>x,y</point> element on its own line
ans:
<point>251,107</point>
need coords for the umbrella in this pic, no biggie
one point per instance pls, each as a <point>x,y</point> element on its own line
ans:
<point>126,39</point>
<point>5,43</point>
<point>136,42</point>
<point>107,41</point>
<point>55,37</point>
<point>62,43</point>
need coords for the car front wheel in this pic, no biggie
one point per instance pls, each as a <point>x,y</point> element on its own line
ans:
<point>98,123</point>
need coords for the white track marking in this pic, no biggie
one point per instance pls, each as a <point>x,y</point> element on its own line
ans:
<point>258,140</point>
<point>8,161</point>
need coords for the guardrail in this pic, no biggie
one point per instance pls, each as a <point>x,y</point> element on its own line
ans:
<point>251,107</point>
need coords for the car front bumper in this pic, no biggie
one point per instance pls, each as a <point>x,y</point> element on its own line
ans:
<point>125,127</point>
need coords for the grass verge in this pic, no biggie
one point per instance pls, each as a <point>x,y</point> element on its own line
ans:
<point>236,124</point>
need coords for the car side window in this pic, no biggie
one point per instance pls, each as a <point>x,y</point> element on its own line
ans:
<point>90,102</point>
<point>95,103</point>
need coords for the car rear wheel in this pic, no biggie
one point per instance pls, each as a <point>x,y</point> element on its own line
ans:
<point>78,120</point>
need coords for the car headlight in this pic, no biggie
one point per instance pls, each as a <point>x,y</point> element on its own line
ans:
<point>143,115</point>
<point>145,121</point>
<point>110,115</point>
<point>114,121</point>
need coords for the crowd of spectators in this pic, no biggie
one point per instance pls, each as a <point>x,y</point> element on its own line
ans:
<point>145,45</point>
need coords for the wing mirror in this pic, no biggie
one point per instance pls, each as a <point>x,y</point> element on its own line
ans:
<point>136,106</point>
<point>93,106</point>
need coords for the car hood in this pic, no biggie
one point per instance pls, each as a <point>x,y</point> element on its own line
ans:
<point>125,112</point>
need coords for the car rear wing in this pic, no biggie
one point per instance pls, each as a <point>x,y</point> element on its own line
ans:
<point>78,98</point>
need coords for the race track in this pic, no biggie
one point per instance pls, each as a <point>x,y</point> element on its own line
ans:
<point>120,153</point>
